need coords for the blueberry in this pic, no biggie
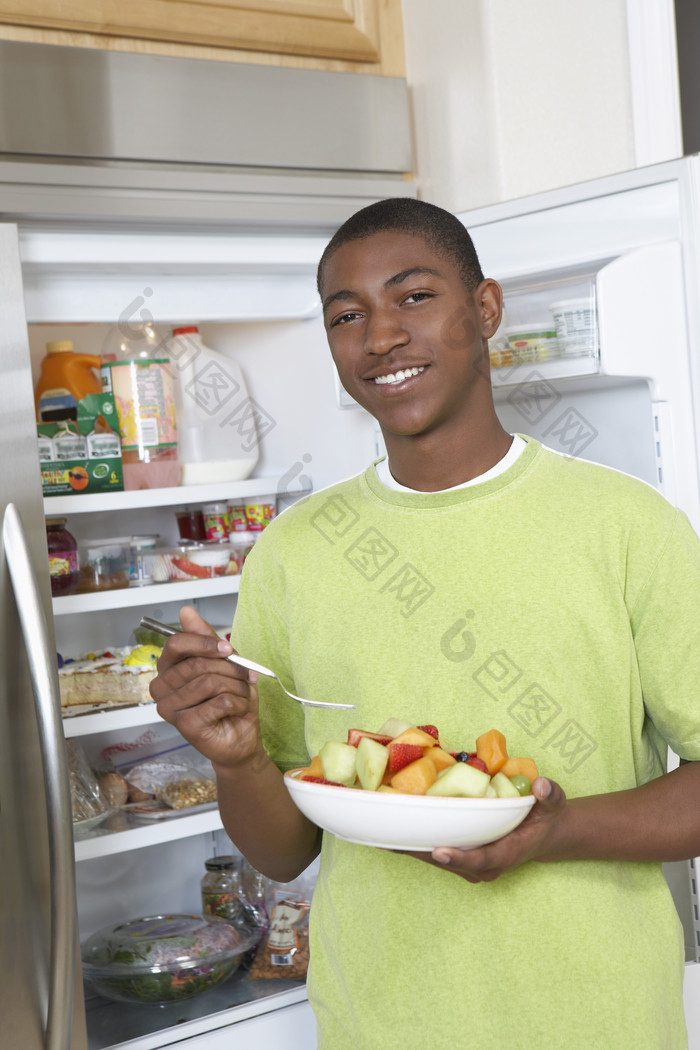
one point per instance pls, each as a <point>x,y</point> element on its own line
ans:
<point>463,756</point>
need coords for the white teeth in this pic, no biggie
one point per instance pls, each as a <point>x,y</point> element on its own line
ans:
<point>398,377</point>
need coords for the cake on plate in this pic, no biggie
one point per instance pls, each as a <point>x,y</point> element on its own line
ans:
<point>109,677</point>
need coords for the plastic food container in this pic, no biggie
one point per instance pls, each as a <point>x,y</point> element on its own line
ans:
<point>532,342</point>
<point>139,560</point>
<point>162,958</point>
<point>194,562</point>
<point>574,321</point>
<point>103,564</point>
<point>260,513</point>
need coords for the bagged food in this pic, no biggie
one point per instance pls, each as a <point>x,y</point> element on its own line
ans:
<point>179,777</point>
<point>284,951</point>
<point>87,798</point>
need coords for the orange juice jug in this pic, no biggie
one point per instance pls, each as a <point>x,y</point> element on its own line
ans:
<point>65,379</point>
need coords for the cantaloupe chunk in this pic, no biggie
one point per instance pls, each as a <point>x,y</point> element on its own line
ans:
<point>413,735</point>
<point>440,759</point>
<point>415,778</point>
<point>491,749</point>
<point>314,769</point>
<point>524,766</point>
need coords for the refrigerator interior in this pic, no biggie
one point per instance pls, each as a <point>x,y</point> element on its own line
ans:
<point>627,403</point>
<point>313,441</point>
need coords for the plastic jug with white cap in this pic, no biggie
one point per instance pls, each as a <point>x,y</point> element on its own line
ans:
<point>216,424</point>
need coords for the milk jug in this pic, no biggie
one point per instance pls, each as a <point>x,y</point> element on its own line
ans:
<point>216,419</point>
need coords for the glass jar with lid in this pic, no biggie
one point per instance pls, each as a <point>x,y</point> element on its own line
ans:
<point>63,557</point>
<point>221,888</point>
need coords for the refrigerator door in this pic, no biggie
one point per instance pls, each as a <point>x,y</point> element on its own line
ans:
<point>40,998</point>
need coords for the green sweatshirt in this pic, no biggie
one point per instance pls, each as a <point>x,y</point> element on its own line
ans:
<point>558,602</point>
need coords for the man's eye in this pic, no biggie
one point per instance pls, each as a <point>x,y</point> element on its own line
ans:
<point>418,297</point>
<point>343,319</point>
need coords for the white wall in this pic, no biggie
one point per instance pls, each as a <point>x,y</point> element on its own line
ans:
<point>512,97</point>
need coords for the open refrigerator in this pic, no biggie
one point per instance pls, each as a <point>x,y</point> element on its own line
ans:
<point>626,397</point>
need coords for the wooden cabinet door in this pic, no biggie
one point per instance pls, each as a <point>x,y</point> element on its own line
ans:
<point>346,30</point>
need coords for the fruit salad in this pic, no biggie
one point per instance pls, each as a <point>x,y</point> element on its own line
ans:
<point>413,760</point>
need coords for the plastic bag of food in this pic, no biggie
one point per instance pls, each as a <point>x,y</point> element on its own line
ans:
<point>284,951</point>
<point>87,798</point>
<point>180,777</point>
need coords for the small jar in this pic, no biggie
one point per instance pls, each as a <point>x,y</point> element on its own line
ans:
<point>215,522</point>
<point>63,557</point>
<point>190,524</point>
<point>221,889</point>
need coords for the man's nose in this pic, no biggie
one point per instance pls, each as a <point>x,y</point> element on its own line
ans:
<point>384,331</point>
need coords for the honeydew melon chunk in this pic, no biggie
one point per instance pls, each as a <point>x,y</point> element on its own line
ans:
<point>503,786</point>
<point>460,781</point>
<point>491,792</point>
<point>338,762</point>
<point>393,727</point>
<point>371,762</point>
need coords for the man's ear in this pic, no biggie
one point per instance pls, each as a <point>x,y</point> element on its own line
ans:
<point>488,297</point>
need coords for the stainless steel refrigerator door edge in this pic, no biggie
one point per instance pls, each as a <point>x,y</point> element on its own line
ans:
<point>42,668</point>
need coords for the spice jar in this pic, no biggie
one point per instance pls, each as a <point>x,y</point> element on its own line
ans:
<point>221,889</point>
<point>63,557</point>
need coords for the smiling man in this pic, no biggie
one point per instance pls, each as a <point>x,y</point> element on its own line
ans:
<point>574,594</point>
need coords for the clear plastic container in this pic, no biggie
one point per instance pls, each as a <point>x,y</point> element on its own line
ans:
<point>163,958</point>
<point>140,549</point>
<point>104,564</point>
<point>195,561</point>
<point>138,372</point>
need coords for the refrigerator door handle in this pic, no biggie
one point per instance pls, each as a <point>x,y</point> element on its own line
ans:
<point>42,664</point>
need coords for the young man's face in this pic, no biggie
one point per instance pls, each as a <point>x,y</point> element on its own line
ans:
<point>406,335</point>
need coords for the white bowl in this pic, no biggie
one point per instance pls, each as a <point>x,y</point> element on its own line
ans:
<point>411,822</point>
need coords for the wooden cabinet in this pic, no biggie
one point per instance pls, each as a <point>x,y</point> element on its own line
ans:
<point>343,35</point>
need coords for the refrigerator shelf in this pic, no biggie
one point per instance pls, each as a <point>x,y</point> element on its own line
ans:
<point>145,597</point>
<point>170,497</point>
<point>105,841</point>
<point>110,720</point>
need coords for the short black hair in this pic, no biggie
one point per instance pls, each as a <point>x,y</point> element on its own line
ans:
<point>443,231</point>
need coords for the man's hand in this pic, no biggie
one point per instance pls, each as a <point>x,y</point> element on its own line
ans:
<point>212,702</point>
<point>528,841</point>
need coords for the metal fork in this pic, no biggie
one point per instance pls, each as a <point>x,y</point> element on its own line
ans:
<point>162,628</point>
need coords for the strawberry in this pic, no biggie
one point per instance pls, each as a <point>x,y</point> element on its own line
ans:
<point>478,763</point>
<point>401,754</point>
<point>432,730</point>
<point>355,735</point>
<point>322,780</point>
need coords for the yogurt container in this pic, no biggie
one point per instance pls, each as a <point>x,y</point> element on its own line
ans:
<point>532,341</point>
<point>574,321</point>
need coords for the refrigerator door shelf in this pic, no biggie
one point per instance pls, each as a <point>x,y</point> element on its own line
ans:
<point>137,499</point>
<point>104,841</point>
<point>142,597</point>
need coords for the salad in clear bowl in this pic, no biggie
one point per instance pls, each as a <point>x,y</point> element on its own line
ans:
<point>163,958</point>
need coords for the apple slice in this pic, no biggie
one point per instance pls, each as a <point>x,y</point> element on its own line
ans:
<point>338,762</point>
<point>371,761</point>
<point>503,786</point>
<point>393,726</point>
<point>460,781</point>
